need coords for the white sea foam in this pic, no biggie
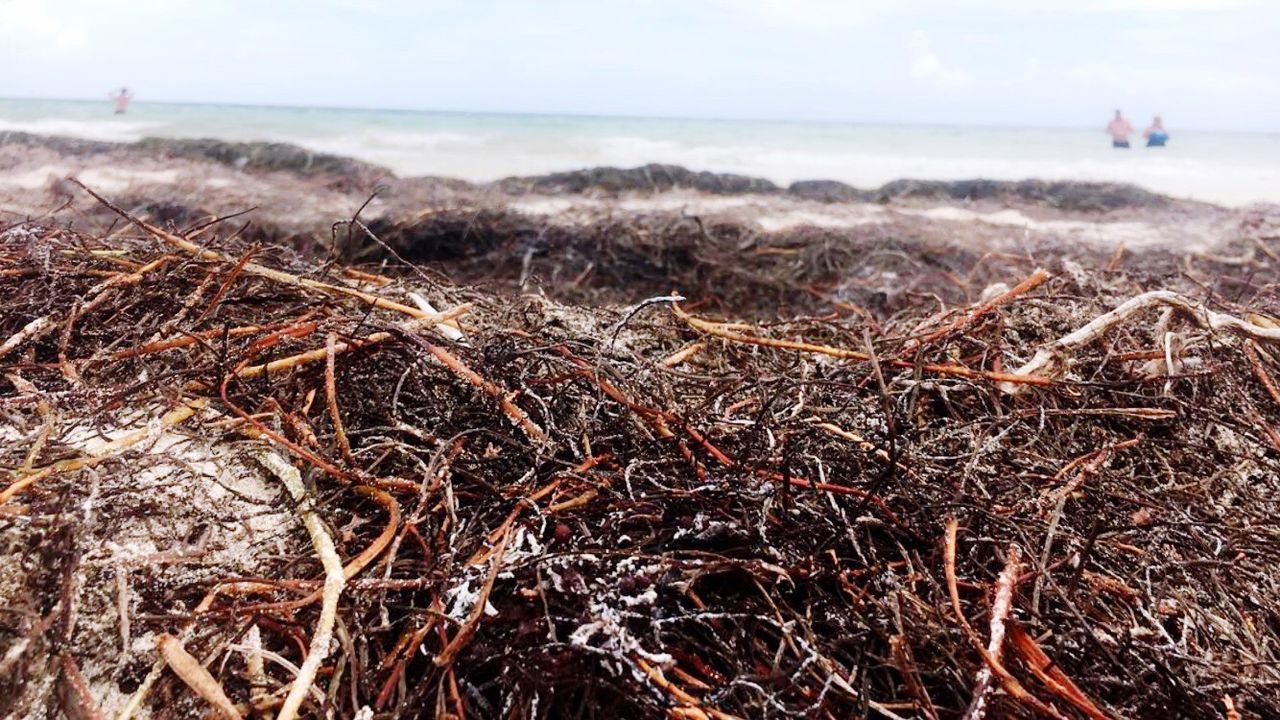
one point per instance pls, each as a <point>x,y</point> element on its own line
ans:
<point>107,179</point>
<point>108,129</point>
<point>35,178</point>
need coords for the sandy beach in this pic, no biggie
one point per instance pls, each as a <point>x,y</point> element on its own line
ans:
<point>298,194</point>
<point>660,359</point>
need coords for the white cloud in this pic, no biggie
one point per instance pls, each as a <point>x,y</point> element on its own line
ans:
<point>931,67</point>
<point>1163,6</point>
<point>31,25</point>
<point>803,13</point>
<point>927,66</point>
<point>1099,73</point>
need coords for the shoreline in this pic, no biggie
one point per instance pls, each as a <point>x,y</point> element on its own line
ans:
<point>263,155</point>
<point>296,191</point>
<point>1226,168</point>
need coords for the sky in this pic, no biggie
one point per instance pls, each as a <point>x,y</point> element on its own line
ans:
<point>1207,64</point>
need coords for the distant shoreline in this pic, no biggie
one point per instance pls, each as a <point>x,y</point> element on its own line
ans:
<point>1075,196</point>
<point>296,195</point>
<point>1222,168</point>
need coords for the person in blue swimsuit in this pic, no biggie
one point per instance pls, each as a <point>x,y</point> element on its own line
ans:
<point>1156,135</point>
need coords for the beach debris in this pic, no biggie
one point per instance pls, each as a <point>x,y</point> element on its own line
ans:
<point>1054,359</point>
<point>703,511</point>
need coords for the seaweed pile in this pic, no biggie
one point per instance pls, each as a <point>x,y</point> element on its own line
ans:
<point>1066,195</point>
<point>740,269</point>
<point>743,271</point>
<point>241,482</point>
<point>254,156</point>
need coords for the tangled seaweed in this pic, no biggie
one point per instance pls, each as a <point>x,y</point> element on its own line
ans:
<point>518,508</point>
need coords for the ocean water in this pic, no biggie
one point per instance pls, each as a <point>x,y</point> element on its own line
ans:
<point>1227,168</point>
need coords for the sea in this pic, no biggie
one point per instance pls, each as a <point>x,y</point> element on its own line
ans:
<point>1229,168</point>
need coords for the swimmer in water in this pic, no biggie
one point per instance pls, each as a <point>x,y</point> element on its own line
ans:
<point>1156,135</point>
<point>121,100</point>
<point>1119,129</point>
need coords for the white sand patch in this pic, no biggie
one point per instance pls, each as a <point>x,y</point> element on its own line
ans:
<point>34,179</point>
<point>115,179</point>
<point>550,205</point>
<point>195,473</point>
<point>681,201</point>
<point>946,213</point>
<point>1132,234</point>
<point>687,202</point>
<point>210,516</point>
<point>852,216</point>
<point>771,214</point>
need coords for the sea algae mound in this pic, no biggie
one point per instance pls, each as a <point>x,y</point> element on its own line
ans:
<point>239,478</point>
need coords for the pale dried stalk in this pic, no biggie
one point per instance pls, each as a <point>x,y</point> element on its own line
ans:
<point>278,659</point>
<point>885,710</point>
<point>77,692</point>
<point>331,400</point>
<point>518,417</point>
<point>46,429</point>
<point>122,608</point>
<point>333,581</point>
<point>1007,680</point>
<point>342,346</point>
<point>1000,609</point>
<point>732,333</point>
<point>33,329</point>
<point>862,443</point>
<point>691,707</point>
<point>256,669</point>
<point>99,454</point>
<point>1053,361</point>
<point>683,354</point>
<point>447,328</point>
<point>189,669</point>
<point>279,276</point>
<point>140,695</point>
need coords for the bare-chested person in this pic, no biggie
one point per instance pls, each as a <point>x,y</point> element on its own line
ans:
<point>121,100</point>
<point>1119,129</point>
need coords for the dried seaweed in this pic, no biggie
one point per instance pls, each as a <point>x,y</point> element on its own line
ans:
<point>589,511</point>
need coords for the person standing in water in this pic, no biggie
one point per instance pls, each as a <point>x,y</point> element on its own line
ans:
<point>1156,135</point>
<point>1119,129</point>
<point>121,100</point>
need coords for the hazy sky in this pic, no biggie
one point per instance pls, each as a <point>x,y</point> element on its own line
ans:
<point>1202,63</point>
